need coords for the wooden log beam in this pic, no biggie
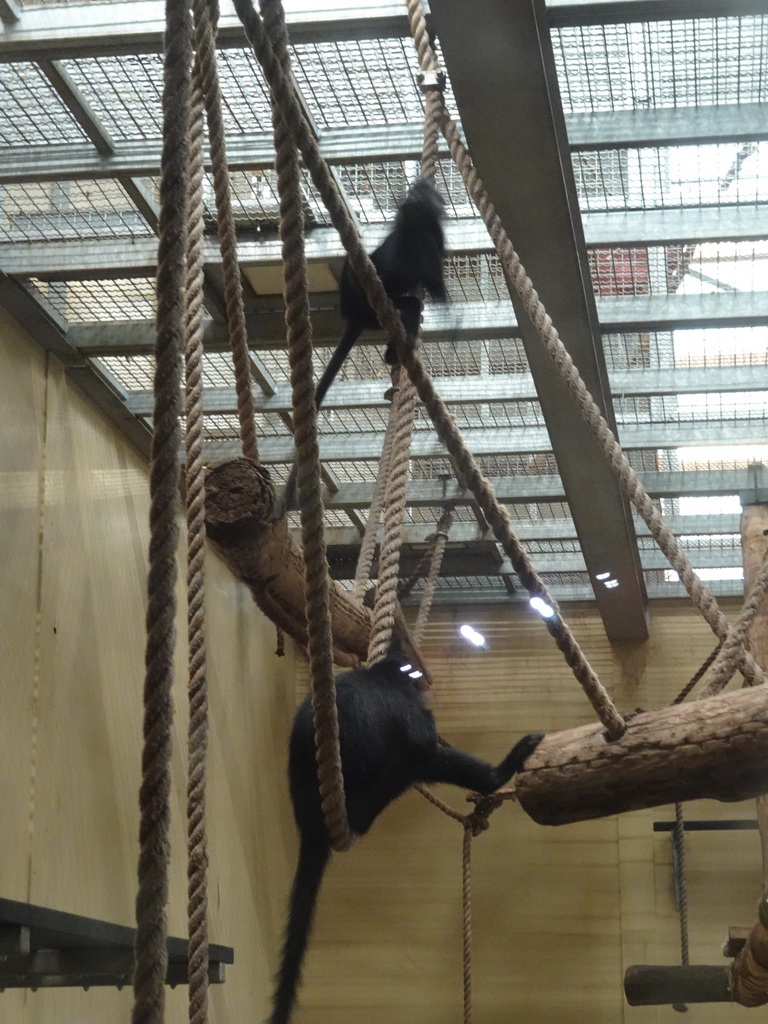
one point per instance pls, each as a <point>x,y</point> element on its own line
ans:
<point>654,985</point>
<point>715,748</point>
<point>243,525</point>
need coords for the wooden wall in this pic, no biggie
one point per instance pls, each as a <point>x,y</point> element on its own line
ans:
<point>73,515</point>
<point>558,913</point>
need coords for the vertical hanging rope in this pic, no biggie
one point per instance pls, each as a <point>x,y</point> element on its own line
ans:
<point>678,838</point>
<point>206,21</point>
<point>403,412</point>
<point>151,957</point>
<point>197,686</point>
<point>466,931</point>
<point>299,335</point>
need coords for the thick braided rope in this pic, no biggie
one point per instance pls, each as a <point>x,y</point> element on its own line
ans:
<point>402,413</point>
<point>731,652</point>
<point>678,839</point>
<point>432,100</point>
<point>391,323</point>
<point>151,956</point>
<point>436,561</point>
<point>207,17</point>
<point>299,339</point>
<point>368,543</point>
<point>700,594</point>
<point>702,597</point>
<point>197,686</point>
<point>498,519</point>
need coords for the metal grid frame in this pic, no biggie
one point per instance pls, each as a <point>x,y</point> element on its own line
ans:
<point>362,95</point>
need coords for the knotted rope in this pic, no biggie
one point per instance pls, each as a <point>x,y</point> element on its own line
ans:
<point>299,339</point>
<point>151,957</point>
<point>474,823</point>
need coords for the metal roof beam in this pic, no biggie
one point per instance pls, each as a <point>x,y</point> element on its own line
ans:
<point>385,143</point>
<point>479,562</point>
<point>467,235</point>
<point>137,26</point>
<point>484,390</point>
<point>566,13</point>
<point>567,593</point>
<point>462,322</point>
<point>139,256</point>
<point>501,48</point>
<point>706,483</point>
<point>510,440</point>
<point>675,126</point>
<point>555,530</point>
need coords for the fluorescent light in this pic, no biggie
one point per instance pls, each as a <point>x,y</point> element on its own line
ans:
<point>602,576</point>
<point>540,605</point>
<point>406,668</point>
<point>471,634</point>
<point>415,674</point>
<point>611,584</point>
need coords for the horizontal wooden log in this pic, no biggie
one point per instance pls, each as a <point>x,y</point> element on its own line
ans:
<point>715,748</point>
<point>656,985</point>
<point>244,525</point>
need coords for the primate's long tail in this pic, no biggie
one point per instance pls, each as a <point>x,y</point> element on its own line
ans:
<point>314,855</point>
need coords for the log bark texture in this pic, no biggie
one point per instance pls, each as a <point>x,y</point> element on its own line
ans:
<point>716,748</point>
<point>655,985</point>
<point>244,526</point>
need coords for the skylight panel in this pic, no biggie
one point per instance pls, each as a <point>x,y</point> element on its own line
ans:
<point>114,299</point>
<point>680,63</point>
<point>31,111</point>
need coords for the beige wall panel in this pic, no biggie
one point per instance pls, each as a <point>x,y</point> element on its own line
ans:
<point>84,844</point>
<point>22,399</point>
<point>558,913</point>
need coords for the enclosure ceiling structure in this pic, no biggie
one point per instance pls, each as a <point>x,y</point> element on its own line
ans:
<point>625,147</point>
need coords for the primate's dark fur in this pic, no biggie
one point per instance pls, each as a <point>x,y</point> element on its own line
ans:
<point>410,258</point>
<point>388,742</point>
